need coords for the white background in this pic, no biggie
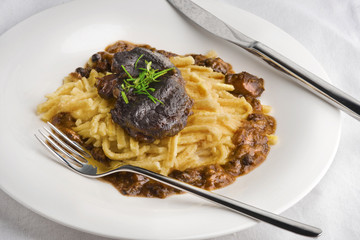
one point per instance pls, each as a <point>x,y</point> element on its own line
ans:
<point>330,30</point>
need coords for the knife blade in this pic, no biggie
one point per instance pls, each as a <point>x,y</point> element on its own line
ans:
<point>300,75</point>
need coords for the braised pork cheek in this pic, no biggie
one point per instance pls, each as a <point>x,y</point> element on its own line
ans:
<point>142,118</point>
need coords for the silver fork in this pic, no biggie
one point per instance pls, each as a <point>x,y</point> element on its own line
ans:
<point>76,158</point>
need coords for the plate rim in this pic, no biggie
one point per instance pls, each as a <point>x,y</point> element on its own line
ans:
<point>305,192</point>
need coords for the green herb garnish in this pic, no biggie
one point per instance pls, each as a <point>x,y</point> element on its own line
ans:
<point>141,84</point>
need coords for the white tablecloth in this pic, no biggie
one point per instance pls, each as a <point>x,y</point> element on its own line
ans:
<point>334,204</point>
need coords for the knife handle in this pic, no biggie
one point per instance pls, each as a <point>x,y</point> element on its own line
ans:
<point>306,79</point>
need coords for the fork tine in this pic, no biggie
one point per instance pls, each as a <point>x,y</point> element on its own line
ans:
<point>62,143</point>
<point>55,145</point>
<point>73,143</point>
<point>56,154</point>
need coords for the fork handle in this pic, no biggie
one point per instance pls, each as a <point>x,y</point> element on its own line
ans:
<point>237,206</point>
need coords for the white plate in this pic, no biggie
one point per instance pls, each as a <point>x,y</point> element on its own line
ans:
<point>39,52</point>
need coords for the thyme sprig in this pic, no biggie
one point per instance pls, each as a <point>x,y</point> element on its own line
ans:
<point>141,84</point>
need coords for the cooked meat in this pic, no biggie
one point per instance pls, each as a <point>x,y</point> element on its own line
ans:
<point>99,155</point>
<point>141,117</point>
<point>133,184</point>
<point>251,143</point>
<point>64,121</point>
<point>106,86</point>
<point>246,84</point>
<point>254,102</point>
<point>217,64</point>
<point>129,58</point>
<point>166,53</point>
<point>265,123</point>
<point>84,72</point>
<point>101,62</point>
<point>209,177</point>
<point>191,176</point>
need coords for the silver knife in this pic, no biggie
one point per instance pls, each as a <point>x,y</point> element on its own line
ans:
<point>306,79</point>
<point>310,81</point>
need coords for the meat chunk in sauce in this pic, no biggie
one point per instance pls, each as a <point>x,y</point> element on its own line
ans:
<point>246,84</point>
<point>106,86</point>
<point>217,64</point>
<point>209,177</point>
<point>251,143</point>
<point>132,184</point>
<point>102,61</point>
<point>98,154</point>
<point>64,121</point>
